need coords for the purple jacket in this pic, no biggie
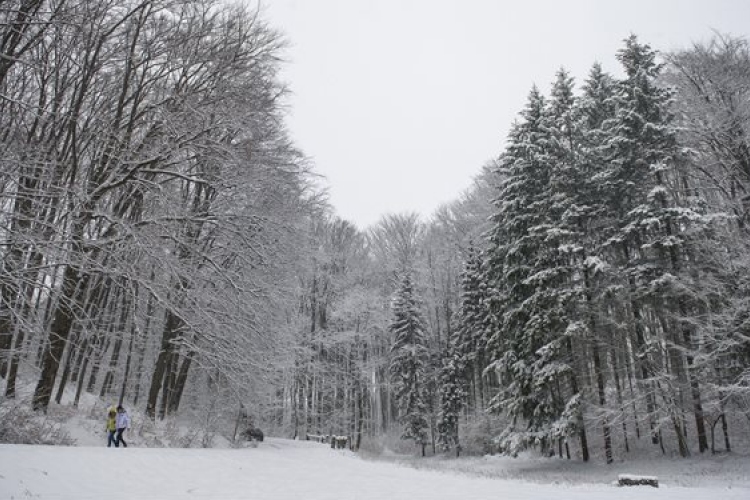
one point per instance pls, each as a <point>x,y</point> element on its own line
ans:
<point>123,420</point>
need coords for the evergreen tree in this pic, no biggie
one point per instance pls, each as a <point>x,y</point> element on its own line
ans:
<point>409,355</point>
<point>471,326</point>
<point>594,108</point>
<point>564,264</point>
<point>452,396</point>
<point>652,236</point>
<point>533,352</point>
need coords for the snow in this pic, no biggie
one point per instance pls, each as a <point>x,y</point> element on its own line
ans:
<point>277,469</point>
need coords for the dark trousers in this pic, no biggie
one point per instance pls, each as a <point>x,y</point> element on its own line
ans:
<point>111,439</point>
<point>119,439</point>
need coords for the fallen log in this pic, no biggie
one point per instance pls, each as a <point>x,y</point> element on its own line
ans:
<point>633,480</point>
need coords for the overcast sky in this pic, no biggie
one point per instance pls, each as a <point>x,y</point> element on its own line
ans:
<point>399,103</point>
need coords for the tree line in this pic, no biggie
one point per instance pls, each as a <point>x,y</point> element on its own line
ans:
<point>588,295</point>
<point>148,183</point>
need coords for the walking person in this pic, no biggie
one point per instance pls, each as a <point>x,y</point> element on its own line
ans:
<point>122,424</point>
<point>111,427</point>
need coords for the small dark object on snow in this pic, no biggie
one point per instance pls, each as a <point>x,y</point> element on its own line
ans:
<point>340,442</point>
<point>318,438</point>
<point>252,434</point>
<point>632,480</point>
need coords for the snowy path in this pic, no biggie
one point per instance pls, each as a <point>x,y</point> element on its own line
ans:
<point>278,469</point>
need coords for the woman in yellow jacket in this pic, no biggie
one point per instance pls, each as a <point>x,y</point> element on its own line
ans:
<point>111,427</point>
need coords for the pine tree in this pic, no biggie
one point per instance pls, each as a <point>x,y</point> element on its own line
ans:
<point>409,355</point>
<point>594,108</point>
<point>452,396</point>
<point>571,207</point>
<point>510,250</point>
<point>533,352</point>
<point>651,236</point>
<point>471,325</point>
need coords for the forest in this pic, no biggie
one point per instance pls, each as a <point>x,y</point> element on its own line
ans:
<point>164,244</point>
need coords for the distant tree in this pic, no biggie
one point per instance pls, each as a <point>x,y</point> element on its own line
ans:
<point>409,355</point>
<point>395,242</point>
<point>469,341</point>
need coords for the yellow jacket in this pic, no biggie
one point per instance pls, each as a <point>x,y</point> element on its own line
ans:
<point>111,425</point>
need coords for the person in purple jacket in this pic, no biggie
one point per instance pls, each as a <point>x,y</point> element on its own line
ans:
<point>123,423</point>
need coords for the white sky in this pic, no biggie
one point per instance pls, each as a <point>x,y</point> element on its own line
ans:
<point>400,102</point>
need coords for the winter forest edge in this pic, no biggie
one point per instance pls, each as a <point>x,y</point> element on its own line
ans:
<point>166,246</point>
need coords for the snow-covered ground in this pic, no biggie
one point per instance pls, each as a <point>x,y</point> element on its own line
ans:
<point>277,469</point>
<point>701,471</point>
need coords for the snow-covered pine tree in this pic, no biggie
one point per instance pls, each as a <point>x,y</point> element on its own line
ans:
<point>572,205</point>
<point>409,354</point>
<point>594,108</point>
<point>510,249</point>
<point>452,392</point>
<point>471,326</point>
<point>651,234</point>
<point>539,390</point>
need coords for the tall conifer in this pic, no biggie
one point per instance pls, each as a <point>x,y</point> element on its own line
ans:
<point>409,356</point>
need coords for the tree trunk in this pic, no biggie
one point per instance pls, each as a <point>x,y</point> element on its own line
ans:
<point>360,419</point>
<point>66,371</point>
<point>579,414</point>
<point>725,431</point>
<point>142,343</point>
<point>641,353</point>
<point>98,352</point>
<point>10,387</point>
<point>602,402</point>
<point>128,361</point>
<point>598,368</point>
<point>70,294</point>
<point>180,382</point>
<point>172,324</point>
<point>620,405</point>
<point>697,404</point>
<point>629,372</point>
<point>168,383</point>
<point>86,352</point>
<point>14,260</point>
<point>122,326</point>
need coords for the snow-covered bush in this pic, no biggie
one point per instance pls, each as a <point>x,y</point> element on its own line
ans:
<point>476,435</point>
<point>20,425</point>
<point>388,443</point>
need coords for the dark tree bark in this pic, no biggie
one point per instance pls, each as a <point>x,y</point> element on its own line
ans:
<point>142,343</point>
<point>180,382</point>
<point>579,417</point>
<point>171,327</point>
<point>598,368</point>
<point>621,406</point>
<point>98,351</point>
<point>70,297</point>
<point>66,370</point>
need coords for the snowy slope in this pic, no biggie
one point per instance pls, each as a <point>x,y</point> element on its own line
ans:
<point>277,469</point>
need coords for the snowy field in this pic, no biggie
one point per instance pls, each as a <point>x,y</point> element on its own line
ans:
<point>698,471</point>
<point>277,469</point>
